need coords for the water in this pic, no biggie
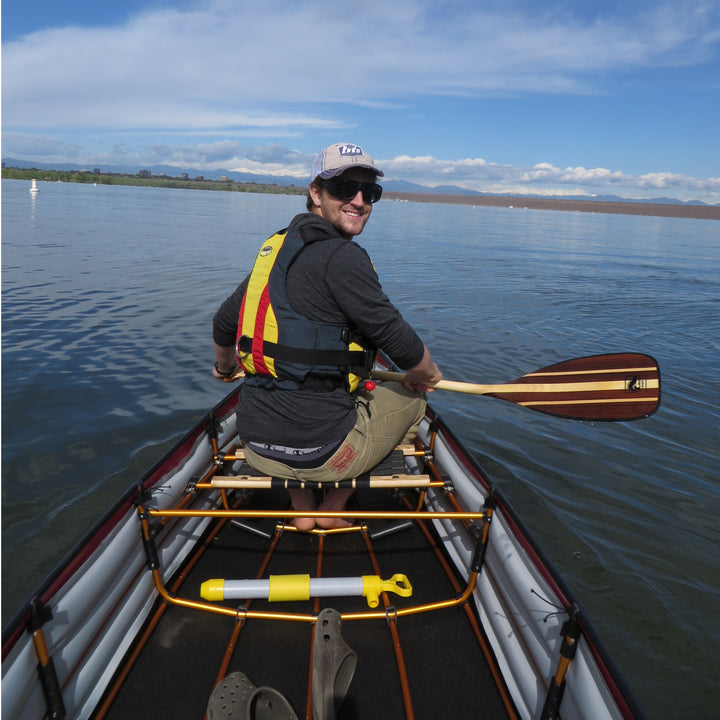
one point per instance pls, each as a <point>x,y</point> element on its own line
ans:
<point>108,297</point>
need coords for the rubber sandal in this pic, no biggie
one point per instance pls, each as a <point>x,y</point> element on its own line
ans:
<point>334,665</point>
<point>229,699</point>
<point>268,704</point>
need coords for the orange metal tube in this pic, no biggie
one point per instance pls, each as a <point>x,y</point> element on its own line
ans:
<point>347,514</point>
<point>563,666</point>
<point>322,531</point>
<point>40,645</point>
<point>402,669</point>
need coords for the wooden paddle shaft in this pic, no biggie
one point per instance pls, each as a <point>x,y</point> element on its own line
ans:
<point>526,388</point>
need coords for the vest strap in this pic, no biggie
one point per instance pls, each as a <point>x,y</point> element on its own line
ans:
<point>308,356</point>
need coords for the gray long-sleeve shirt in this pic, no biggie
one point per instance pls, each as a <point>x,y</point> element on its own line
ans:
<point>331,281</point>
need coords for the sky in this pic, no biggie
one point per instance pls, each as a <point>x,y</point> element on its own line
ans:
<point>562,97</point>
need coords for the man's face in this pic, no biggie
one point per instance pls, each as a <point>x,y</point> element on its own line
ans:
<point>347,216</point>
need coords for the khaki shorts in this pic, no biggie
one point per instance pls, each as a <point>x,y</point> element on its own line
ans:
<point>386,416</point>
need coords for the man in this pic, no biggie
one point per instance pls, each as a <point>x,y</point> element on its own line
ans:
<point>311,311</point>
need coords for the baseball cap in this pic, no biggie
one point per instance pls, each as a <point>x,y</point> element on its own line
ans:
<point>337,158</point>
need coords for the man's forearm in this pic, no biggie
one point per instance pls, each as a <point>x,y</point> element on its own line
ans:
<point>225,360</point>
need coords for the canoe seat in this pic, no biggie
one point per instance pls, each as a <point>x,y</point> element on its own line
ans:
<point>390,473</point>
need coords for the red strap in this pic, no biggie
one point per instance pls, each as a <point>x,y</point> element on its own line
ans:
<point>259,333</point>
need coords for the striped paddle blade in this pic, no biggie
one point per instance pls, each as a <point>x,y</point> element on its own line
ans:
<point>617,386</point>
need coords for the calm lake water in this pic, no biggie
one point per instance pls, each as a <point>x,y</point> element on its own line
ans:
<point>107,299</point>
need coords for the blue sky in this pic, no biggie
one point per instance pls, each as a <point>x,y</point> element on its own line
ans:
<point>559,97</point>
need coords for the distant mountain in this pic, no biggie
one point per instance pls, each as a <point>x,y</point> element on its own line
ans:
<point>408,187</point>
<point>388,185</point>
<point>169,170</point>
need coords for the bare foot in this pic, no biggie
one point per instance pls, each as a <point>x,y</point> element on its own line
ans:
<point>334,501</point>
<point>303,500</point>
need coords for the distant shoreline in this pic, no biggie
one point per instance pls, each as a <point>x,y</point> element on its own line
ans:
<point>697,212</point>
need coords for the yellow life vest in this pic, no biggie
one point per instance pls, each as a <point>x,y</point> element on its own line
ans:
<point>279,347</point>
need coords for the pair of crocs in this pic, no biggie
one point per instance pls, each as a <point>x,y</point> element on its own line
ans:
<point>334,663</point>
<point>236,698</point>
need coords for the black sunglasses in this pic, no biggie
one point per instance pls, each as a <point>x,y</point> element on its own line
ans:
<point>348,189</point>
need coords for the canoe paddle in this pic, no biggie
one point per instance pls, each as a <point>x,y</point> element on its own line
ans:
<point>618,386</point>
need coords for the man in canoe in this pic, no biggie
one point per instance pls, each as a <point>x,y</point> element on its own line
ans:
<point>305,326</point>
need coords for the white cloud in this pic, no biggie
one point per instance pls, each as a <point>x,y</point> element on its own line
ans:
<point>221,64</point>
<point>546,179</point>
<point>270,159</point>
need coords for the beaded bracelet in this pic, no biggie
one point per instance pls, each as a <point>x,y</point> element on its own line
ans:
<point>225,373</point>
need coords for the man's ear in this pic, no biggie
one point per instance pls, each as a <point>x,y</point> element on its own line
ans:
<point>314,191</point>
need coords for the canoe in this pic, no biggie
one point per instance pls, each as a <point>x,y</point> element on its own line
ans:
<point>194,588</point>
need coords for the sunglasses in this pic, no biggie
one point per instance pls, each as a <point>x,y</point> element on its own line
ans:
<point>348,189</point>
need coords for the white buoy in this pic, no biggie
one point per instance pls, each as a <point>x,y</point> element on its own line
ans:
<point>34,187</point>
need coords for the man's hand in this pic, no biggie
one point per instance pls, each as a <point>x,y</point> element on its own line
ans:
<point>423,376</point>
<point>236,374</point>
